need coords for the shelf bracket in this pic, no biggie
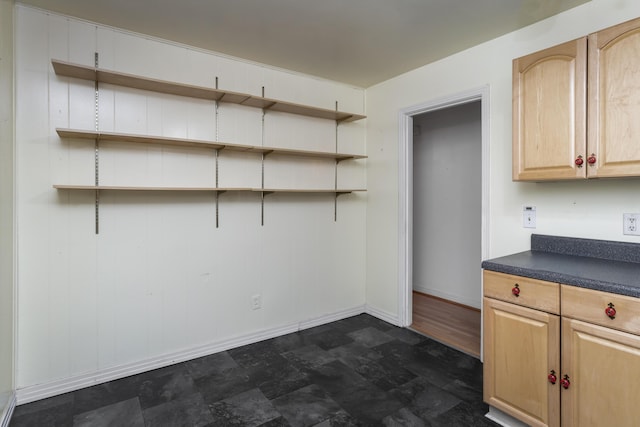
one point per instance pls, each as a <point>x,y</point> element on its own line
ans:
<point>344,119</point>
<point>267,107</point>
<point>247,97</point>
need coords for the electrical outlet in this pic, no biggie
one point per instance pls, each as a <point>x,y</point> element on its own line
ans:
<point>631,224</point>
<point>256,302</point>
<point>529,216</point>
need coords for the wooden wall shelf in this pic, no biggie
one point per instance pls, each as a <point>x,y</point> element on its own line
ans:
<point>145,188</point>
<point>162,86</point>
<point>194,143</point>
<point>98,75</point>
<point>338,191</point>
<point>205,189</point>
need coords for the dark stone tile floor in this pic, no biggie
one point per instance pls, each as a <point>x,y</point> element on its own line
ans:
<point>358,371</point>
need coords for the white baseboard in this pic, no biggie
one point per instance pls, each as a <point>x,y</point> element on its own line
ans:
<point>53,388</point>
<point>471,302</point>
<point>7,411</point>
<point>333,317</point>
<point>383,315</point>
<point>505,420</point>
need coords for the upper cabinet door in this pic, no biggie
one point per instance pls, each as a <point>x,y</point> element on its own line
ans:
<point>549,113</point>
<point>614,100</point>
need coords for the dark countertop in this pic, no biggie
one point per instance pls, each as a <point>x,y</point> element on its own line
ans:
<point>594,264</point>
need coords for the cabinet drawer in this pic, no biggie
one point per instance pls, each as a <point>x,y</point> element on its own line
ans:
<point>533,293</point>
<point>590,306</point>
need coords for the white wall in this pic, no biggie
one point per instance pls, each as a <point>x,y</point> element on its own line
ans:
<point>590,209</point>
<point>160,279</point>
<point>447,215</point>
<point>6,204</point>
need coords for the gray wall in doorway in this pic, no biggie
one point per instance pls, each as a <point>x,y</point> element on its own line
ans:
<point>447,203</point>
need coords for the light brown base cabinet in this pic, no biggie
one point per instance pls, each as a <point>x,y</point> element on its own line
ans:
<point>560,355</point>
<point>522,347</point>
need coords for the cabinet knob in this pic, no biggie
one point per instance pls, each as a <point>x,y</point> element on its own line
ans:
<point>591,159</point>
<point>516,290</point>
<point>579,161</point>
<point>552,377</point>
<point>564,382</point>
<point>610,311</point>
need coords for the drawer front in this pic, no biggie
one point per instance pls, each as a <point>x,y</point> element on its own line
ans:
<point>591,306</point>
<point>532,293</point>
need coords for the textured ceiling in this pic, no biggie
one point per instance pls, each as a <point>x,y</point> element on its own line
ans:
<point>359,42</point>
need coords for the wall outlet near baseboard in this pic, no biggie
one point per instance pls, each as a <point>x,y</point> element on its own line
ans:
<point>631,224</point>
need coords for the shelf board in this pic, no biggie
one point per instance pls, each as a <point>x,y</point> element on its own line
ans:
<point>210,189</point>
<point>298,190</point>
<point>194,143</point>
<point>162,86</point>
<point>123,188</point>
<point>140,139</point>
<point>308,153</point>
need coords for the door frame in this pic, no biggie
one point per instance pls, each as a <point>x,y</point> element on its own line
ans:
<point>405,188</point>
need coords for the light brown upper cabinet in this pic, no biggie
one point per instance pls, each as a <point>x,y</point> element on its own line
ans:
<point>573,121</point>
<point>549,112</point>
<point>614,100</point>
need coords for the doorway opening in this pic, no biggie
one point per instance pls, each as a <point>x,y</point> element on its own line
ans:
<point>444,217</point>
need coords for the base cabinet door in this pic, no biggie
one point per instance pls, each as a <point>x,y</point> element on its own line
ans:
<point>522,348</point>
<point>603,366</point>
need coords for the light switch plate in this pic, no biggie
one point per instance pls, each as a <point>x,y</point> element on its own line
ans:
<point>529,216</point>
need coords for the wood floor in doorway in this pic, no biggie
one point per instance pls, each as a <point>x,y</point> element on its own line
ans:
<point>451,323</point>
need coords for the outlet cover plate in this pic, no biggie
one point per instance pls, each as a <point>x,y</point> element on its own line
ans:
<point>631,224</point>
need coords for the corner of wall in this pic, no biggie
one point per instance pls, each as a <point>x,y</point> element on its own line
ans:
<point>7,411</point>
<point>7,217</point>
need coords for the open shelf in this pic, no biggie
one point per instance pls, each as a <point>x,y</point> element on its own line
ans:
<point>98,75</point>
<point>125,188</point>
<point>194,143</point>
<point>296,190</point>
<point>162,86</point>
<point>207,189</point>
